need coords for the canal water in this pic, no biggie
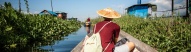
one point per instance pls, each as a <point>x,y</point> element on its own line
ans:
<point>68,42</point>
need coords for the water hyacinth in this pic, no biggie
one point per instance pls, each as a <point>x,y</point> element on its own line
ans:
<point>18,29</point>
<point>163,34</point>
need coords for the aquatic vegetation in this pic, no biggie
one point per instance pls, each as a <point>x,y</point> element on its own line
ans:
<point>18,29</point>
<point>163,34</point>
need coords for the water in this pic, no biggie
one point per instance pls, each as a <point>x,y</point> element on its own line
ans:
<point>67,43</point>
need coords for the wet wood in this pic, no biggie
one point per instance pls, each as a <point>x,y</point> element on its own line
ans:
<point>139,46</point>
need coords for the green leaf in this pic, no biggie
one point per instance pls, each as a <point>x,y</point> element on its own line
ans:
<point>13,45</point>
<point>8,29</point>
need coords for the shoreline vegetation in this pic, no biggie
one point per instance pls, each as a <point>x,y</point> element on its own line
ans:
<point>163,34</point>
<point>23,32</point>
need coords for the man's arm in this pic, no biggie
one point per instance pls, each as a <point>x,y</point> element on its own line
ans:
<point>116,34</point>
<point>115,40</point>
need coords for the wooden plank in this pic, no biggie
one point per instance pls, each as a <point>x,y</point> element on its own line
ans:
<point>122,36</point>
<point>142,47</point>
<point>78,48</point>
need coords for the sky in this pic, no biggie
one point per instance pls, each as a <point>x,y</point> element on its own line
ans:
<point>82,9</point>
<point>163,5</point>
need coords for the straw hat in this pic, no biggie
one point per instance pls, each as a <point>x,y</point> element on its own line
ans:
<point>108,13</point>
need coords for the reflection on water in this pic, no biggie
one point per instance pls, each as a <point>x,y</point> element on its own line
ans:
<point>88,30</point>
<point>32,46</point>
<point>69,42</point>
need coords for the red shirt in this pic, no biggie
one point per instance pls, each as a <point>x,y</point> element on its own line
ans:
<point>107,33</point>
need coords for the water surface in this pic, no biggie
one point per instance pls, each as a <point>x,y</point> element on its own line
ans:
<point>67,43</point>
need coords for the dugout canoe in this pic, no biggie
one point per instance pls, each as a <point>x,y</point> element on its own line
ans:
<point>139,46</point>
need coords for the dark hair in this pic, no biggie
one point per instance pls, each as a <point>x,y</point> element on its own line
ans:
<point>104,17</point>
<point>110,19</point>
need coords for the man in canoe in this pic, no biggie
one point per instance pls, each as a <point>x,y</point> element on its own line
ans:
<point>109,32</point>
<point>87,23</point>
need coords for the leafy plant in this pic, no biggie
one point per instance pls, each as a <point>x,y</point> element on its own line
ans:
<point>164,34</point>
<point>18,30</point>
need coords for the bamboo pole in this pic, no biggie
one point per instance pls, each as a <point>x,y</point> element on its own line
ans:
<point>187,15</point>
<point>172,7</point>
<point>19,5</point>
<point>51,6</point>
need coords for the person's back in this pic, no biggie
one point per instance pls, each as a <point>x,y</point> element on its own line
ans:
<point>107,34</point>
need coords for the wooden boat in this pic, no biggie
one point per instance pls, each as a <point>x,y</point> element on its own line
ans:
<point>139,46</point>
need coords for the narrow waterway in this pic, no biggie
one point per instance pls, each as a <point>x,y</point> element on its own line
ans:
<point>67,43</point>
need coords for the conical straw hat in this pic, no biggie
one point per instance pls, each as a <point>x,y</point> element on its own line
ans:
<point>108,13</point>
